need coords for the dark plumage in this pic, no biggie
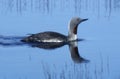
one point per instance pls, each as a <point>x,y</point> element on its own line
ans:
<point>40,37</point>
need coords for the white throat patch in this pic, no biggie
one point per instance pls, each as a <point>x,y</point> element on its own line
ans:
<point>73,37</point>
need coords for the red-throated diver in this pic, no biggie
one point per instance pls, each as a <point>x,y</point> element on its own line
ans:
<point>56,37</point>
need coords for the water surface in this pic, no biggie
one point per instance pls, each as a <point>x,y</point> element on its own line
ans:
<point>97,56</point>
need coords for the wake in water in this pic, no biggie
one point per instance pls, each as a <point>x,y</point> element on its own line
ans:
<point>11,40</point>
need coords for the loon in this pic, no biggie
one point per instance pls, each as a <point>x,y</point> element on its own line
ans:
<point>50,36</point>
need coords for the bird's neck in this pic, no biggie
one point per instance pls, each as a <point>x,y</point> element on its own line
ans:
<point>72,34</point>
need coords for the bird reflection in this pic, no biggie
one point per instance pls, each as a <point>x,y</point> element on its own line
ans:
<point>50,45</point>
<point>73,47</point>
<point>75,55</point>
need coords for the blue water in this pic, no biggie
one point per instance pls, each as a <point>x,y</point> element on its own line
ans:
<point>99,49</point>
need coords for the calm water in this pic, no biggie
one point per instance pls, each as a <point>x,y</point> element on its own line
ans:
<point>97,56</point>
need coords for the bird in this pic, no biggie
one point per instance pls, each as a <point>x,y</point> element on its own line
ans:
<point>55,37</point>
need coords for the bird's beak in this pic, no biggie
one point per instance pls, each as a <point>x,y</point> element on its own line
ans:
<point>84,20</point>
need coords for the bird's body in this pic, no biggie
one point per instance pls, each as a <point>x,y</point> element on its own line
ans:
<point>46,37</point>
<point>54,36</point>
